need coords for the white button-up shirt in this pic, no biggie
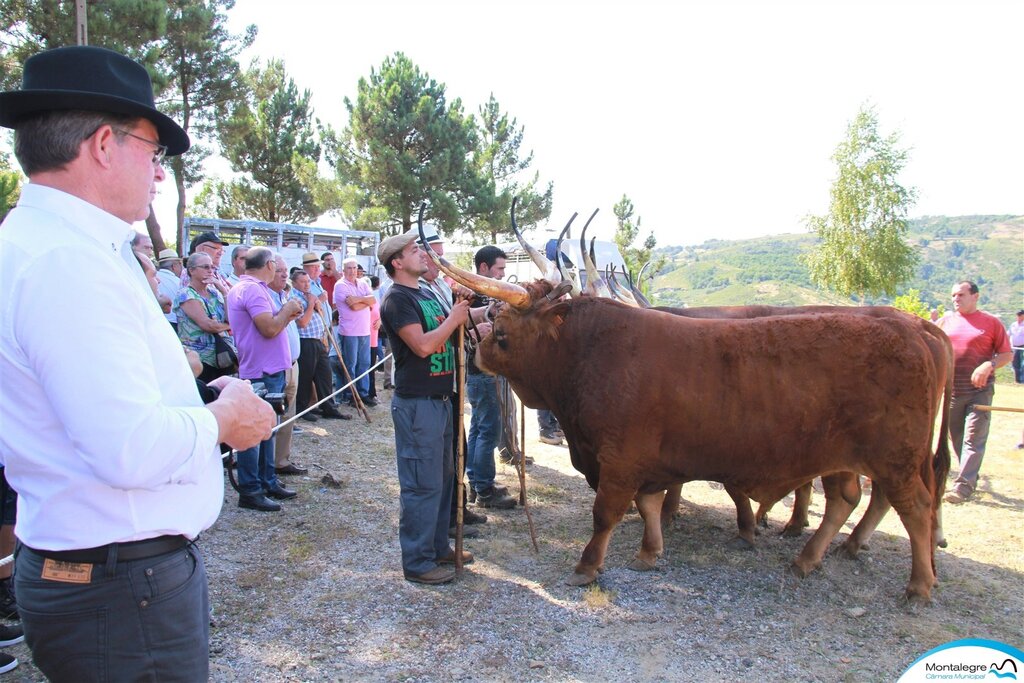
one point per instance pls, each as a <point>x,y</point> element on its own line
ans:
<point>102,431</point>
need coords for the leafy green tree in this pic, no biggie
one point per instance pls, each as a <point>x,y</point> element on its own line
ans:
<point>405,143</point>
<point>10,186</point>
<point>183,43</point>
<point>498,162</point>
<point>268,136</point>
<point>199,69</point>
<point>863,245</point>
<point>626,233</point>
<point>911,303</point>
<point>130,27</point>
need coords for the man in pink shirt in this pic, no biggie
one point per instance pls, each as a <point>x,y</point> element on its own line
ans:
<point>263,356</point>
<point>353,299</point>
<point>980,346</point>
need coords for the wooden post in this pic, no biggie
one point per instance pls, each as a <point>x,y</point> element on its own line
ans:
<point>81,23</point>
<point>460,462</point>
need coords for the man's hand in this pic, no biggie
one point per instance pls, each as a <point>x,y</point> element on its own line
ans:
<point>482,330</point>
<point>244,419</point>
<point>293,309</point>
<point>460,312</point>
<point>979,378</point>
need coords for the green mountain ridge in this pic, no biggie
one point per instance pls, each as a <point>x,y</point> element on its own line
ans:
<point>767,270</point>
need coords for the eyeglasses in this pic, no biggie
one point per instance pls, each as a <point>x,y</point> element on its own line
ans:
<point>208,266</point>
<point>161,150</point>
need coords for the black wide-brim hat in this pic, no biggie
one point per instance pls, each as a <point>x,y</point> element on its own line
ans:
<point>92,79</point>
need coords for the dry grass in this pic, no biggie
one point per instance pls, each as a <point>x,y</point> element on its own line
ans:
<point>315,593</point>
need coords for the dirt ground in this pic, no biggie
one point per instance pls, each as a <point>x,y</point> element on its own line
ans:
<point>315,593</point>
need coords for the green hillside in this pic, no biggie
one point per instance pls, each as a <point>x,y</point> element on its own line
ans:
<point>768,270</point>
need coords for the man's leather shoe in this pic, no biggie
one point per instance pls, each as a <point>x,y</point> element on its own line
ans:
<point>467,532</point>
<point>257,502</point>
<point>433,577</point>
<point>471,517</point>
<point>291,468</point>
<point>370,401</point>
<point>335,415</point>
<point>310,417</point>
<point>467,558</point>
<point>281,493</point>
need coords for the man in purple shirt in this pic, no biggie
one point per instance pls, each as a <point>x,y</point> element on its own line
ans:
<point>354,299</point>
<point>263,356</point>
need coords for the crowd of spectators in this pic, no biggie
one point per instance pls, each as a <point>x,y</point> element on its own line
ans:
<point>278,328</point>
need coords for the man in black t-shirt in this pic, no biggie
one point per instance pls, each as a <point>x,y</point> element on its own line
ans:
<point>420,333</point>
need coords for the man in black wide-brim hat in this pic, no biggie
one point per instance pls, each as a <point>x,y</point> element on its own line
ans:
<point>111,450</point>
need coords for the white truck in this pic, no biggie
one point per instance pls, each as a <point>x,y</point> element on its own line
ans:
<point>289,240</point>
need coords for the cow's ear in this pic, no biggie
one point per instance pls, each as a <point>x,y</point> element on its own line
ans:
<point>554,316</point>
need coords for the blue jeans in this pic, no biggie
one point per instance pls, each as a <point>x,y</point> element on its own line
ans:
<point>484,430</point>
<point>355,351</point>
<point>426,471</point>
<point>256,465</point>
<point>546,420</point>
<point>339,376</point>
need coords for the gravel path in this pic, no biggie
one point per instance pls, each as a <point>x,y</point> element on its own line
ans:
<point>315,593</point>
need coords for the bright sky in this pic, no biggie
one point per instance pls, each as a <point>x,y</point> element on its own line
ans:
<point>718,119</point>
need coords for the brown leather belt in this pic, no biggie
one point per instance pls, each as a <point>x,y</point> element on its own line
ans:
<point>126,552</point>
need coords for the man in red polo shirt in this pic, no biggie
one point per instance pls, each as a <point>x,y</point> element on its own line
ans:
<point>980,346</point>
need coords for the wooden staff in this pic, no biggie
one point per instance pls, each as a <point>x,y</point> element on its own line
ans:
<point>460,461</point>
<point>522,475</point>
<point>356,399</point>
<point>989,409</point>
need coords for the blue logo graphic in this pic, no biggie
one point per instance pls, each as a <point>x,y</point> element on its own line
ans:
<point>971,659</point>
<point>997,669</point>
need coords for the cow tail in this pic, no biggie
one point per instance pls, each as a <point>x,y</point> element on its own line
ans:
<point>941,461</point>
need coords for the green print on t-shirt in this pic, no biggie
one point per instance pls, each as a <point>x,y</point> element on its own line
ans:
<point>442,362</point>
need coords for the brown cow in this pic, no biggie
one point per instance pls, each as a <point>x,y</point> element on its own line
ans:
<point>758,404</point>
<point>942,352</point>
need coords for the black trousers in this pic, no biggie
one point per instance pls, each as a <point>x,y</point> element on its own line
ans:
<point>146,620</point>
<point>314,371</point>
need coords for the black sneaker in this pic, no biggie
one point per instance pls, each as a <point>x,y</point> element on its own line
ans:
<point>7,663</point>
<point>493,498</point>
<point>10,635</point>
<point>8,603</point>
<point>548,436</point>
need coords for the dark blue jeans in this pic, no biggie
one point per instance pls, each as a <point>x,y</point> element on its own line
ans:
<point>256,465</point>
<point>146,620</point>
<point>423,445</point>
<point>355,353</point>
<point>484,430</point>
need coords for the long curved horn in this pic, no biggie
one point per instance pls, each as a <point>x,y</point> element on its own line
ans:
<point>618,293</point>
<point>640,277</point>
<point>539,260</point>
<point>599,284</point>
<point>566,274</point>
<point>515,295</point>
<point>637,293</point>
<point>588,264</point>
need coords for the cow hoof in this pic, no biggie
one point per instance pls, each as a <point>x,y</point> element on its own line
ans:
<point>791,531</point>
<point>847,550</point>
<point>578,579</point>
<point>763,522</point>
<point>740,543</point>
<point>941,543</point>
<point>799,571</point>
<point>641,565</point>
<point>914,598</point>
